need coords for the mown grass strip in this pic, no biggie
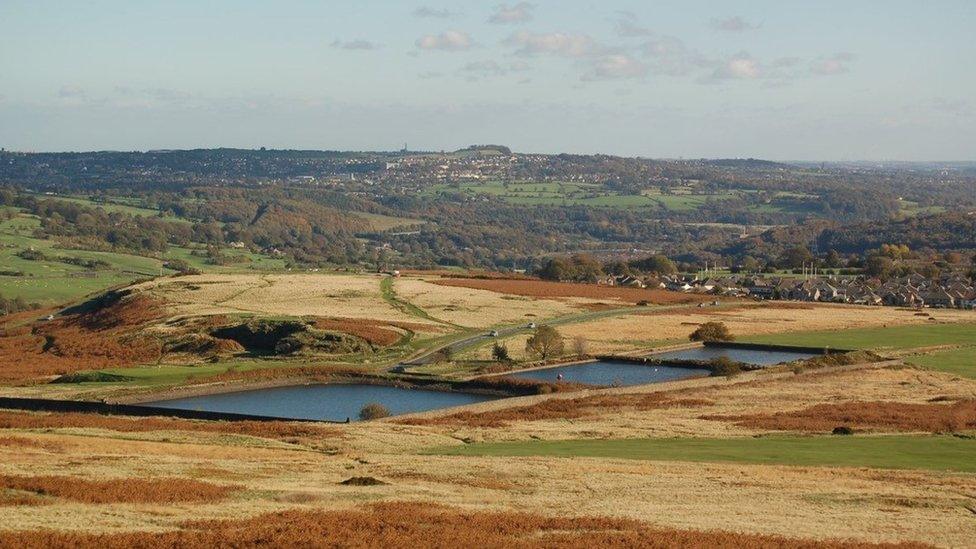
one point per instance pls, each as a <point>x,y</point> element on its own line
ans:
<point>940,453</point>
<point>894,337</point>
<point>961,362</point>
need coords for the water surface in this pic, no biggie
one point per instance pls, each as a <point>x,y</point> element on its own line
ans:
<point>323,402</point>
<point>612,373</point>
<point>748,356</point>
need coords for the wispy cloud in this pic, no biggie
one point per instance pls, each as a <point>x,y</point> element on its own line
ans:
<point>517,13</point>
<point>434,13</point>
<point>553,43</point>
<point>489,68</point>
<point>450,40</point>
<point>733,24</point>
<point>355,45</point>
<point>669,55</point>
<point>615,67</point>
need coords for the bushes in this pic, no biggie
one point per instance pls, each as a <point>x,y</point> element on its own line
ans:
<point>712,331</point>
<point>130,490</point>
<point>724,366</point>
<point>286,337</point>
<point>373,410</point>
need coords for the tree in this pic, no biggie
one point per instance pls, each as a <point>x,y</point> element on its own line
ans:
<point>373,410</point>
<point>581,347</point>
<point>795,257</point>
<point>500,352</point>
<point>750,264</point>
<point>545,343</point>
<point>656,264</point>
<point>879,266</point>
<point>712,331</point>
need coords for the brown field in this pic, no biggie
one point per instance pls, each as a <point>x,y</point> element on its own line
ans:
<point>480,308</point>
<point>320,295</point>
<point>623,333</point>
<point>552,290</point>
<point>126,490</point>
<point>377,332</point>
<point>409,524</point>
<point>553,409</point>
<point>878,416</point>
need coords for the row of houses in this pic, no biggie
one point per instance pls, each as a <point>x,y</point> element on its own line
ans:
<point>909,291</point>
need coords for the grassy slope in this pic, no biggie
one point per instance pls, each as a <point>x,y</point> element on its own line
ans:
<point>961,362</point>
<point>52,281</point>
<point>894,337</point>
<point>890,452</point>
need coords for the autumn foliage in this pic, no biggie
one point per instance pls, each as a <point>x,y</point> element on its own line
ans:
<point>417,524</point>
<point>376,332</point>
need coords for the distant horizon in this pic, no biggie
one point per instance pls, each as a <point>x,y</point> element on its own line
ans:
<point>877,81</point>
<point>449,150</point>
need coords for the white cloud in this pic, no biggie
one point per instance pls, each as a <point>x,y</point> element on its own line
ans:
<point>451,40</point>
<point>615,66</point>
<point>355,45</point>
<point>733,24</point>
<point>835,64</point>
<point>436,13</point>
<point>517,13</point>
<point>554,43</point>
<point>741,66</point>
<point>492,68</point>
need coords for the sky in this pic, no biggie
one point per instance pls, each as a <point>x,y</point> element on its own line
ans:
<point>781,80</point>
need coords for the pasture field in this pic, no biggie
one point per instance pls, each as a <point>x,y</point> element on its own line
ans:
<point>919,334</point>
<point>379,222</point>
<point>940,453</point>
<point>960,362</point>
<point>803,324</point>
<point>564,193</point>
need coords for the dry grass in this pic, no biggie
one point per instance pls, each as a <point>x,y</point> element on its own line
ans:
<point>377,332</point>
<point>478,308</point>
<point>619,334</point>
<point>874,416</point>
<point>308,373</point>
<point>22,442</point>
<point>127,490</point>
<point>562,409</point>
<point>323,295</point>
<point>265,429</point>
<point>549,290</point>
<point>408,524</point>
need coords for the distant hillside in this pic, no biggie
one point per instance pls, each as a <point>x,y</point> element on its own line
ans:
<point>751,163</point>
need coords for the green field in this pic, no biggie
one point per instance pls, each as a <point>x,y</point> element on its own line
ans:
<point>51,281</point>
<point>114,205</point>
<point>565,193</point>
<point>381,222</point>
<point>961,362</point>
<point>894,337</point>
<point>943,453</point>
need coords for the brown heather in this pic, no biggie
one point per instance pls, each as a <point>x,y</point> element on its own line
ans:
<point>561,408</point>
<point>266,429</point>
<point>875,416</point>
<point>416,524</point>
<point>126,490</point>
<point>376,332</point>
<point>88,341</point>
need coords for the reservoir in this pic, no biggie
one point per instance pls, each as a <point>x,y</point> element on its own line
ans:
<point>758,357</point>
<point>612,373</point>
<point>323,402</point>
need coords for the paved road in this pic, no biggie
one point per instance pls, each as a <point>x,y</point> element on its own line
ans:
<point>462,344</point>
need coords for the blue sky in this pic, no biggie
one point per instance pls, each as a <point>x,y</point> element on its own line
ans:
<point>780,79</point>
